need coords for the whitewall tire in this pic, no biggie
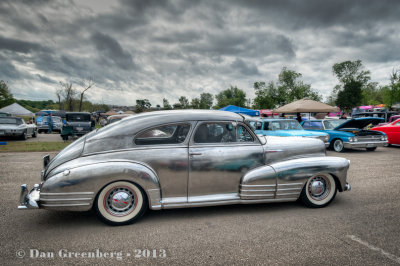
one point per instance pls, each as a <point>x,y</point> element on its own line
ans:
<point>319,191</point>
<point>120,203</point>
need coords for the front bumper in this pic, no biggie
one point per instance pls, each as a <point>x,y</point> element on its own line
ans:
<point>365,144</point>
<point>29,200</point>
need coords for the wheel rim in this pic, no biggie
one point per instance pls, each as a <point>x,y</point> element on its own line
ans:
<point>120,201</point>
<point>319,188</point>
<point>338,145</point>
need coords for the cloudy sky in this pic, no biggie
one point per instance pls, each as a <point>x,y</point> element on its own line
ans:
<point>165,49</point>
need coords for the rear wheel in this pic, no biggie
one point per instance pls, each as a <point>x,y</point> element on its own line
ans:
<point>319,191</point>
<point>121,203</point>
<point>371,149</point>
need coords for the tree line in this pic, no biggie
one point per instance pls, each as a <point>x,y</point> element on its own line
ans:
<point>354,88</point>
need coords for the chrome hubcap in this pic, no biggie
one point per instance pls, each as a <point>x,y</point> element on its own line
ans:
<point>120,201</point>
<point>319,188</point>
<point>338,145</point>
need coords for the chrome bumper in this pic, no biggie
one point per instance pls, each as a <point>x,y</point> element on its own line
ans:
<point>365,144</point>
<point>347,187</point>
<point>29,200</point>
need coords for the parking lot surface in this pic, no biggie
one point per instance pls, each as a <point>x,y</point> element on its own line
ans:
<point>360,227</point>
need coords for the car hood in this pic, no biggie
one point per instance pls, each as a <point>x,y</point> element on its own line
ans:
<point>360,122</point>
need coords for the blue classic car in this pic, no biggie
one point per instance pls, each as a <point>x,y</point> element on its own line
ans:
<point>352,133</point>
<point>285,128</point>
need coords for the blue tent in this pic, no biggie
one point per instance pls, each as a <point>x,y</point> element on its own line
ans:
<point>240,110</point>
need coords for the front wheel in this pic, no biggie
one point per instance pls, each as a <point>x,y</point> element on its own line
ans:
<point>338,145</point>
<point>34,134</point>
<point>120,203</point>
<point>24,136</point>
<point>319,191</point>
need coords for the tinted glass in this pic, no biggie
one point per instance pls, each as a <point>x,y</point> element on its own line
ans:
<point>331,124</point>
<point>221,133</point>
<point>78,117</point>
<point>16,121</point>
<point>168,134</point>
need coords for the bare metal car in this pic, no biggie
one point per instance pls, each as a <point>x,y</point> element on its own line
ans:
<point>16,127</point>
<point>187,158</point>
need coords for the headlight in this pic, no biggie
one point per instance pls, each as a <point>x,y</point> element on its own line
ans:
<point>383,138</point>
<point>326,138</point>
<point>351,139</point>
<point>355,139</point>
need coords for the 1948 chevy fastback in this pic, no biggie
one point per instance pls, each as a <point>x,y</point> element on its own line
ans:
<point>188,158</point>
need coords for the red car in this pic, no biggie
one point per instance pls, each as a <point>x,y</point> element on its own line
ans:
<point>392,130</point>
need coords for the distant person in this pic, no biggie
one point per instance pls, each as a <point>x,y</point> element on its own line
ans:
<point>92,122</point>
<point>50,123</point>
<point>343,116</point>
<point>298,118</point>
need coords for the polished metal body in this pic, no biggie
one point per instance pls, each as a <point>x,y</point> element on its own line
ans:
<point>253,169</point>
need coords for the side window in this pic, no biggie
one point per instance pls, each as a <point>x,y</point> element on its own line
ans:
<point>274,126</point>
<point>306,125</point>
<point>167,134</point>
<point>221,132</point>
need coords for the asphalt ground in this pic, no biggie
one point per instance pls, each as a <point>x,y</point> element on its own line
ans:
<point>360,227</point>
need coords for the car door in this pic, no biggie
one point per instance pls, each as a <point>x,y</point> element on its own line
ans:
<point>220,153</point>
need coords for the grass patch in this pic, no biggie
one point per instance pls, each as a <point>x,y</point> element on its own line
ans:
<point>23,146</point>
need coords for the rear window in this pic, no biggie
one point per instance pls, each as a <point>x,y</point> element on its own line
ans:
<point>78,117</point>
<point>16,121</point>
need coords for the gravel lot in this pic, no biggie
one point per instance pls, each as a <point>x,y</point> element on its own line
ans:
<point>360,227</point>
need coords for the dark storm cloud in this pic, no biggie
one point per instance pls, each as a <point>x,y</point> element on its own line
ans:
<point>19,46</point>
<point>245,69</point>
<point>155,49</point>
<point>110,49</point>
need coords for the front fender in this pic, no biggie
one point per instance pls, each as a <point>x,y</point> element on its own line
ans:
<point>89,179</point>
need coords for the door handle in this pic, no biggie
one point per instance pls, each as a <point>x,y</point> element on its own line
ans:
<point>195,153</point>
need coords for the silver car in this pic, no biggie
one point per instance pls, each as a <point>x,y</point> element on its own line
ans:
<point>16,127</point>
<point>186,158</point>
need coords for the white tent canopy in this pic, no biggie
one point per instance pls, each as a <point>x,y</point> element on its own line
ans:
<point>305,106</point>
<point>16,109</point>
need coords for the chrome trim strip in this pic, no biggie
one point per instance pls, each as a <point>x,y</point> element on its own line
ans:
<point>287,194</point>
<point>288,189</point>
<point>250,186</point>
<point>65,205</point>
<point>257,190</point>
<point>290,184</point>
<point>257,195</point>
<point>67,194</point>
<point>214,197</point>
<point>41,199</point>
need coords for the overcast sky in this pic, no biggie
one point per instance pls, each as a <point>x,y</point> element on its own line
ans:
<point>165,49</point>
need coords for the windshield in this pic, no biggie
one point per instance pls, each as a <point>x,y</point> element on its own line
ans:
<point>331,124</point>
<point>78,117</point>
<point>15,121</point>
<point>285,125</point>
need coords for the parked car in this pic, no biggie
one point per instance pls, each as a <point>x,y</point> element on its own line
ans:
<point>16,127</point>
<point>80,122</point>
<point>350,133</point>
<point>43,125</point>
<point>285,128</point>
<point>383,114</point>
<point>171,159</point>
<point>391,119</point>
<point>392,131</point>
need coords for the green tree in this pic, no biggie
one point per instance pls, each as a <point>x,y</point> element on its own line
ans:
<point>352,80</point>
<point>206,101</point>
<point>195,103</point>
<point>287,89</point>
<point>349,96</point>
<point>6,97</point>
<point>184,102</point>
<point>231,96</point>
<point>142,105</point>
<point>392,93</point>
<point>166,105</point>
